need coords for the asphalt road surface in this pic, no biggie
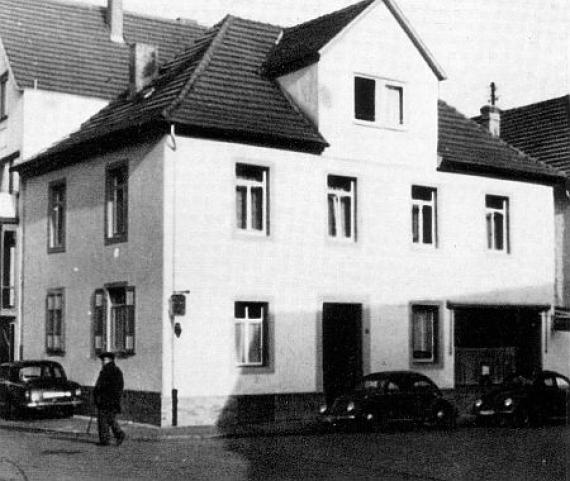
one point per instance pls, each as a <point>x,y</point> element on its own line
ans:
<point>464,454</point>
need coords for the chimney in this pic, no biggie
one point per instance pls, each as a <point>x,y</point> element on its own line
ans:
<point>491,114</point>
<point>115,20</point>
<point>491,119</point>
<point>143,66</point>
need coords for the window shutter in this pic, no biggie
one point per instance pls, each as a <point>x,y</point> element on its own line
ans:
<point>130,322</point>
<point>99,322</point>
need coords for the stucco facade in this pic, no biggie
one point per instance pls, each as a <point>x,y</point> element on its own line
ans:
<point>183,238</point>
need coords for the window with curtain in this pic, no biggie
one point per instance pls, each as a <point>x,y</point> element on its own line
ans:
<point>341,201</point>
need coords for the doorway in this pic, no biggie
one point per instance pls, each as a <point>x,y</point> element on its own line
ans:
<point>342,347</point>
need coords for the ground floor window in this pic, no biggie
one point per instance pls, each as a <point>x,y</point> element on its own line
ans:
<point>114,320</point>
<point>54,322</point>
<point>250,320</point>
<point>424,333</point>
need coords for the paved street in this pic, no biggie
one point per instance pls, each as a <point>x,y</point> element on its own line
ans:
<point>464,454</point>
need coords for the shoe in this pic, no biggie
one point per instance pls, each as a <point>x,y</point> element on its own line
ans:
<point>121,438</point>
<point>100,443</point>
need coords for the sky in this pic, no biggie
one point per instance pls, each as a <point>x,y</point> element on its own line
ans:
<point>521,45</point>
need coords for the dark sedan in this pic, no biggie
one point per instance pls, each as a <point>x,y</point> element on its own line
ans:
<point>38,386</point>
<point>521,402</point>
<point>390,397</point>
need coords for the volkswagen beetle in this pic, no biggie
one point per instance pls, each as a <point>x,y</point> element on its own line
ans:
<point>389,397</point>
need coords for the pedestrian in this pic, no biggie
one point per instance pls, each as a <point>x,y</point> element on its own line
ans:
<point>107,397</point>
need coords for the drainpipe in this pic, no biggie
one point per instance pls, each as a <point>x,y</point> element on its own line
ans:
<point>20,273</point>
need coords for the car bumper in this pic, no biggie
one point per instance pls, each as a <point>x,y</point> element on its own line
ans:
<point>333,419</point>
<point>52,404</point>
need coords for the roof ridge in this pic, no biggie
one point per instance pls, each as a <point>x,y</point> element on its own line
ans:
<point>540,102</point>
<point>203,64</point>
<point>326,16</point>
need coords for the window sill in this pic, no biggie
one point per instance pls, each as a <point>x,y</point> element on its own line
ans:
<point>251,235</point>
<point>3,118</point>
<point>58,353</point>
<point>248,369</point>
<point>116,240</point>
<point>380,125</point>
<point>55,250</point>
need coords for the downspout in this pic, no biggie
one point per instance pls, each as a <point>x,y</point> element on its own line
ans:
<point>20,273</point>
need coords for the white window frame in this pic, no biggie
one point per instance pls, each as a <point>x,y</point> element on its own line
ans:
<point>241,325</point>
<point>106,307</point>
<point>249,185</point>
<point>338,194</point>
<point>420,204</point>
<point>431,343</point>
<point>3,96</point>
<point>490,227</point>
<point>381,107</point>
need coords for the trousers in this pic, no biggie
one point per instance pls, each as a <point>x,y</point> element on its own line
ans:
<point>105,420</point>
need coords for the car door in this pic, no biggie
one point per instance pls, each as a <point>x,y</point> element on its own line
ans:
<point>424,395</point>
<point>4,370</point>
<point>548,396</point>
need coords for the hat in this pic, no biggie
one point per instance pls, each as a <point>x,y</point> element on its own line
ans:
<point>106,354</point>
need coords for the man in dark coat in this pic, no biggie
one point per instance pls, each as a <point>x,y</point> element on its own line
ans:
<point>107,396</point>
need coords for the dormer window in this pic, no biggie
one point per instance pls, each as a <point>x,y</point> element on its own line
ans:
<point>379,102</point>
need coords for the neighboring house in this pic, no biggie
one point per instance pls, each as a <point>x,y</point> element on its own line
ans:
<point>543,131</point>
<point>279,211</point>
<point>60,62</point>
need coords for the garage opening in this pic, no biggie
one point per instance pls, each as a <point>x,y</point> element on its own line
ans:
<point>491,343</point>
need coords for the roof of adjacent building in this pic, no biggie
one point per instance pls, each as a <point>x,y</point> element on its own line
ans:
<point>66,47</point>
<point>465,146</point>
<point>300,46</point>
<point>216,89</point>
<point>542,130</point>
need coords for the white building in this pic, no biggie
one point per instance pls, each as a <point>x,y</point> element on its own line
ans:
<point>320,212</point>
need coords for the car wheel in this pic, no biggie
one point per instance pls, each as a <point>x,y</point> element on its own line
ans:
<point>10,410</point>
<point>66,412</point>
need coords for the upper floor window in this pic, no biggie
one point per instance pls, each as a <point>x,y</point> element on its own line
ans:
<point>116,200</point>
<point>424,333</point>
<point>341,198</point>
<point>252,204</point>
<point>114,320</point>
<point>54,322</point>
<point>56,216</point>
<point>3,95</point>
<point>497,219</point>
<point>250,320</point>
<point>379,101</point>
<point>424,220</point>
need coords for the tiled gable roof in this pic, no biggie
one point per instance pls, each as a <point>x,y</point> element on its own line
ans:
<point>465,146</point>
<point>66,47</point>
<point>299,45</point>
<point>541,130</point>
<point>214,88</point>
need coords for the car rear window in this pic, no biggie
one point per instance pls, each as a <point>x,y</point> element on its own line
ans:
<point>28,373</point>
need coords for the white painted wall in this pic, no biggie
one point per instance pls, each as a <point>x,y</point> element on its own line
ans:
<point>88,264</point>
<point>51,116</point>
<point>297,267</point>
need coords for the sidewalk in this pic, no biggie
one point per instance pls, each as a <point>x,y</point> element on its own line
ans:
<point>83,426</point>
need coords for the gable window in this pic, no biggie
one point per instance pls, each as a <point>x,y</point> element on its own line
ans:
<point>116,200</point>
<point>54,322</point>
<point>56,216</point>
<point>424,220</point>
<point>424,333</point>
<point>114,320</point>
<point>3,95</point>
<point>250,321</point>
<point>341,199</point>
<point>497,220</point>
<point>252,199</point>
<point>379,101</point>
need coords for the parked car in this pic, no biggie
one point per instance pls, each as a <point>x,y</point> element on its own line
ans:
<point>37,386</point>
<point>520,401</point>
<point>384,398</point>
